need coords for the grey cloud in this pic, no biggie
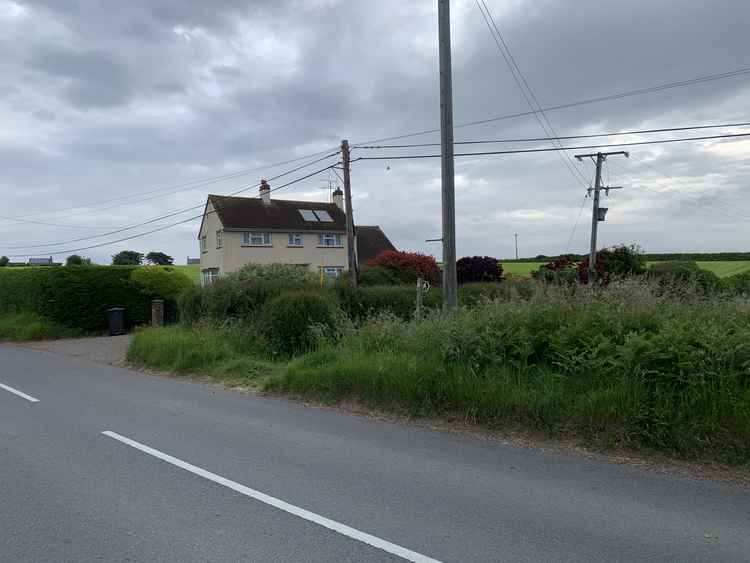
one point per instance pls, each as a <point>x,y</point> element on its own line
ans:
<point>93,78</point>
<point>264,81</point>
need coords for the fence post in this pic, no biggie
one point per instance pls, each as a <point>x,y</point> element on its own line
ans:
<point>157,312</point>
<point>420,288</point>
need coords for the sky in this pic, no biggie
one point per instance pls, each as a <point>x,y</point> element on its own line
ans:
<point>103,101</point>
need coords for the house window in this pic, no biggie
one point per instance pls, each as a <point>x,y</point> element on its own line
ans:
<point>209,276</point>
<point>329,239</point>
<point>295,239</point>
<point>252,238</point>
<point>308,215</point>
<point>203,244</point>
<point>333,271</point>
<point>219,241</point>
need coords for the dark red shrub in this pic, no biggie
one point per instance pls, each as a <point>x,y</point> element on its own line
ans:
<point>602,275</point>
<point>408,265</point>
<point>479,269</point>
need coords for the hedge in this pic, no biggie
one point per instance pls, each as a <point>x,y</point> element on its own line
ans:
<point>76,297</point>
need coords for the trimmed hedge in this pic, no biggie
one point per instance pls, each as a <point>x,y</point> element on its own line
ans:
<point>79,297</point>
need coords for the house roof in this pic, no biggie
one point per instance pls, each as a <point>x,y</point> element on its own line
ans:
<point>371,241</point>
<point>279,214</point>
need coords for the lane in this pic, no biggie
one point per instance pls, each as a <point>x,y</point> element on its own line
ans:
<point>69,495</point>
<point>450,497</point>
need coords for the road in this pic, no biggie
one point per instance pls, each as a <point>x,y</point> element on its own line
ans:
<point>99,463</point>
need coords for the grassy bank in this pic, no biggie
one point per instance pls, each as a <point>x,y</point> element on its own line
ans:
<point>24,327</point>
<point>230,354</point>
<point>624,368</point>
<point>630,366</point>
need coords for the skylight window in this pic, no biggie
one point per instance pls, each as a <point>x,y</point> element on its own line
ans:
<point>323,216</point>
<point>308,215</point>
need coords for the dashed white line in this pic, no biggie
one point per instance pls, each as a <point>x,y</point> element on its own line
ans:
<point>342,529</point>
<point>19,393</point>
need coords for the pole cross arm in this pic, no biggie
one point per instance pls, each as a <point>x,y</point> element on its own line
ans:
<point>603,154</point>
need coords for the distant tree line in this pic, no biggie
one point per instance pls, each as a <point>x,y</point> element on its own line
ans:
<point>653,257</point>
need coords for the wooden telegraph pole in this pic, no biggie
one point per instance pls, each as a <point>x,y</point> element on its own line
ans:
<point>350,238</point>
<point>597,213</point>
<point>450,279</point>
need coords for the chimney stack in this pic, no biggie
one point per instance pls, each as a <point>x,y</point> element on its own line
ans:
<point>265,192</point>
<point>338,198</point>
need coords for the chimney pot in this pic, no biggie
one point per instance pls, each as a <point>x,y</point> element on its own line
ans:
<point>265,191</point>
<point>338,198</point>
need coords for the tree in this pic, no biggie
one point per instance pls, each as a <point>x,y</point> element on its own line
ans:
<point>127,258</point>
<point>75,260</point>
<point>408,265</point>
<point>479,269</point>
<point>159,259</point>
<point>3,261</point>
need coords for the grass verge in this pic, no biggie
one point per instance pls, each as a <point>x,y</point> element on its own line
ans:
<point>24,327</point>
<point>229,354</point>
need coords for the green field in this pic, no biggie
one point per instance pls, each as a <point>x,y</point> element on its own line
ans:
<point>720,268</point>
<point>193,272</point>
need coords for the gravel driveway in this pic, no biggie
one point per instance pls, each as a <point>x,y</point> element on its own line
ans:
<point>101,349</point>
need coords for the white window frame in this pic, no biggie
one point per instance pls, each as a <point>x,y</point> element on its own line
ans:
<point>204,245</point>
<point>296,240</point>
<point>332,271</point>
<point>330,240</point>
<point>256,238</point>
<point>219,240</point>
<point>209,276</point>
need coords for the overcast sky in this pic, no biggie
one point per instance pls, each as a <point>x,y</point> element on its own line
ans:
<point>103,100</point>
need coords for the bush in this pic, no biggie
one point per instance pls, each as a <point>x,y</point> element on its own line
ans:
<point>378,275</point>
<point>74,297</point>
<point>739,284</point>
<point>397,300</point>
<point>479,269</point>
<point>4,261</point>
<point>560,271</point>
<point>290,321</point>
<point>677,276</point>
<point>190,305</point>
<point>616,262</point>
<point>286,274</point>
<point>408,266</point>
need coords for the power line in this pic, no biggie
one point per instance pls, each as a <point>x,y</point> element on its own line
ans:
<point>587,136</point>
<point>171,225</point>
<point>550,149</point>
<point>523,86</point>
<point>165,190</point>
<point>648,90</point>
<point>165,216</point>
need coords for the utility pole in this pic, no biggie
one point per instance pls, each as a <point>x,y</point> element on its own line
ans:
<point>516,235</point>
<point>450,279</point>
<point>350,240</point>
<point>597,213</point>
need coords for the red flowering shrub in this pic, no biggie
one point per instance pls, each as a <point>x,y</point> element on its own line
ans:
<point>408,266</point>
<point>479,269</point>
<point>602,274</point>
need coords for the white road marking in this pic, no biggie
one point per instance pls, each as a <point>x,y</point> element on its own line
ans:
<point>342,529</point>
<point>19,393</point>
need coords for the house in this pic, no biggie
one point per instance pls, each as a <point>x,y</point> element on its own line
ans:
<point>43,262</point>
<point>239,230</point>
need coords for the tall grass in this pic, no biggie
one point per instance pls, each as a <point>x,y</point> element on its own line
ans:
<point>229,352</point>
<point>630,365</point>
<point>25,326</point>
